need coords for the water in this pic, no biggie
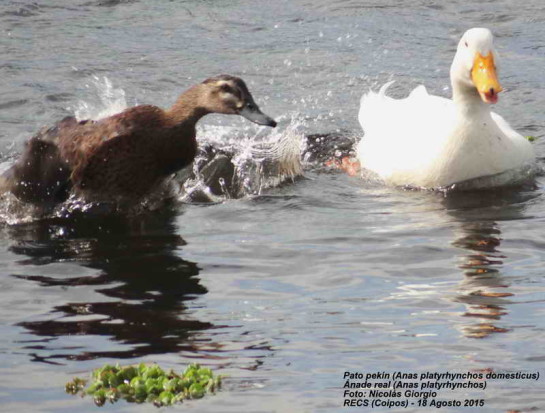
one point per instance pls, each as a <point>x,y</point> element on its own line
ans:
<point>285,290</point>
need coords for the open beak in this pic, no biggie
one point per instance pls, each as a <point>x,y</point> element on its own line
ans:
<point>484,77</point>
<point>252,113</point>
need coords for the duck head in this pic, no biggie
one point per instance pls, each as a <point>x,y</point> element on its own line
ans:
<point>475,65</point>
<point>230,95</point>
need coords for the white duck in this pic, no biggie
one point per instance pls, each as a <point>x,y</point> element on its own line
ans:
<point>429,141</point>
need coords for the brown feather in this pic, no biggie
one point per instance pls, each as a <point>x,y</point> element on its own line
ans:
<point>124,156</point>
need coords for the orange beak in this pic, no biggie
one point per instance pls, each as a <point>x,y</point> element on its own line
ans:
<point>485,79</point>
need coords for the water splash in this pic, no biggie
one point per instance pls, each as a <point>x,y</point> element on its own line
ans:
<point>244,162</point>
<point>13,211</point>
<point>269,163</point>
<point>104,100</point>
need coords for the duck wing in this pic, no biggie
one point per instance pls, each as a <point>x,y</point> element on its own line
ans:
<point>116,155</point>
<point>125,166</point>
<point>41,175</point>
<point>403,135</point>
<point>77,145</point>
<point>43,172</point>
<point>127,155</point>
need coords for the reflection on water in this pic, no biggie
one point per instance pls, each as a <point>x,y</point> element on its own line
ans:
<point>140,274</point>
<point>484,289</point>
<point>482,270</point>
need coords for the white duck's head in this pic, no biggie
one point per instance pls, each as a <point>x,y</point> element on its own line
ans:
<point>474,69</point>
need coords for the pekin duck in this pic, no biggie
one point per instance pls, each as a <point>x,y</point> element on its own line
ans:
<point>430,141</point>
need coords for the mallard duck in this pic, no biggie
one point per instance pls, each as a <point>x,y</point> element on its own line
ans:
<point>430,141</point>
<point>125,156</point>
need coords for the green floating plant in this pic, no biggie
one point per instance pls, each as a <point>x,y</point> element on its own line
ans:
<point>531,138</point>
<point>146,383</point>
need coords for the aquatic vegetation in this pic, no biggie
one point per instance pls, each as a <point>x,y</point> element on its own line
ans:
<point>531,138</point>
<point>146,383</point>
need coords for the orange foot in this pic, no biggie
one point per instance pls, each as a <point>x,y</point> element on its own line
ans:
<point>349,165</point>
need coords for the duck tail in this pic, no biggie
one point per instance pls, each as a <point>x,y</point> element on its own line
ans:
<point>384,88</point>
<point>370,101</point>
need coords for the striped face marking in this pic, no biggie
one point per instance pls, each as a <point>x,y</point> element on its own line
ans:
<point>230,94</point>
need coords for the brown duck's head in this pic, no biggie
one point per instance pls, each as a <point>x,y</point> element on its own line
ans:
<point>230,95</point>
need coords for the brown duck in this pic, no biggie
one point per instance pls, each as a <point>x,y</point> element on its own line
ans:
<point>127,155</point>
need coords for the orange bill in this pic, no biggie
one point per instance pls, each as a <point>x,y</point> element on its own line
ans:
<point>485,79</point>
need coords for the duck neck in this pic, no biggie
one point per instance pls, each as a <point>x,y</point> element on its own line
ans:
<point>178,149</point>
<point>188,109</point>
<point>468,102</point>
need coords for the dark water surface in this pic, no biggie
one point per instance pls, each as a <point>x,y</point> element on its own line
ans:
<point>286,290</point>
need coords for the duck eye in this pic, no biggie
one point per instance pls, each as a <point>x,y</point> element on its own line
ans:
<point>466,44</point>
<point>225,88</point>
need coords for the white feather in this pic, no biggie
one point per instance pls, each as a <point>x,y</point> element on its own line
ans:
<point>430,141</point>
